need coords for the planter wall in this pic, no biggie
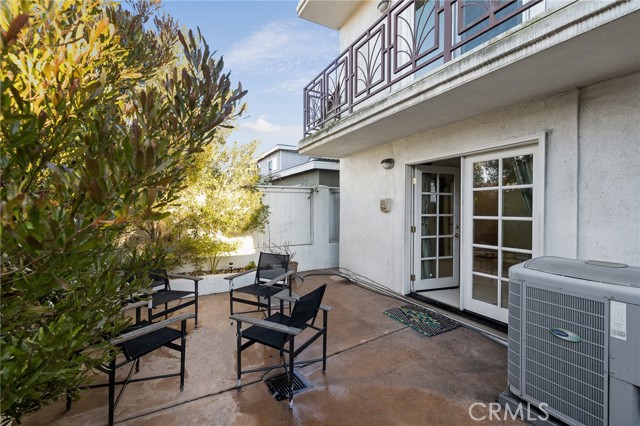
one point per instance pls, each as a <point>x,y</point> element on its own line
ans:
<point>212,284</point>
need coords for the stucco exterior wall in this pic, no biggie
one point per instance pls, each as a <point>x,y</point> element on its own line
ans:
<point>609,201</point>
<point>365,15</point>
<point>374,243</point>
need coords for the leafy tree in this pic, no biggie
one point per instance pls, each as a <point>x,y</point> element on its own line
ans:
<point>220,201</point>
<point>101,123</point>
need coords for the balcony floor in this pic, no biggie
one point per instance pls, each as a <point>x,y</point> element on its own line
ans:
<point>379,371</point>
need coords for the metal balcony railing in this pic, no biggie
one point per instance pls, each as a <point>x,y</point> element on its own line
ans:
<point>411,36</point>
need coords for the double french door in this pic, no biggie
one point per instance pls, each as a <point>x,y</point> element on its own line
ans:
<point>469,231</point>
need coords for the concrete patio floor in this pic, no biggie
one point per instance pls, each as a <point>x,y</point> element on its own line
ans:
<point>379,372</point>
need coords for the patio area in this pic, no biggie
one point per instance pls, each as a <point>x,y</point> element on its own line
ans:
<point>379,371</point>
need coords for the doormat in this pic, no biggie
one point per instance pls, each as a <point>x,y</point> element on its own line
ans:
<point>279,385</point>
<point>423,320</point>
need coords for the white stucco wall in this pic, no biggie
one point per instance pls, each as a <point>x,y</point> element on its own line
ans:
<point>361,19</point>
<point>609,201</point>
<point>581,172</point>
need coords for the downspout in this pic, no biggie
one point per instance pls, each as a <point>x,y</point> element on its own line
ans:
<point>578,170</point>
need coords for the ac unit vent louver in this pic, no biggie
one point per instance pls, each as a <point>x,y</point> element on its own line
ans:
<point>569,376</point>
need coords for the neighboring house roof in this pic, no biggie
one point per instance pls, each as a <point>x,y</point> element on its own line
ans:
<point>312,164</point>
<point>279,147</point>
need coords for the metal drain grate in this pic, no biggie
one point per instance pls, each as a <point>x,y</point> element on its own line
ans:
<point>279,385</point>
<point>423,320</point>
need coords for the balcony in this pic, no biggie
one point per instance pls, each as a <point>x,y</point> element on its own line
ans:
<point>425,64</point>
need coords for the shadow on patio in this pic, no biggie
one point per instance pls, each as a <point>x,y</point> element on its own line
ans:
<point>379,372</point>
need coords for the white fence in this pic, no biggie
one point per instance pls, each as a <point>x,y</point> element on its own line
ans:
<point>307,219</point>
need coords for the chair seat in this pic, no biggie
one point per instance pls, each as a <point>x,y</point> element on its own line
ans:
<point>166,296</point>
<point>147,343</point>
<point>271,338</point>
<point>259,290</point>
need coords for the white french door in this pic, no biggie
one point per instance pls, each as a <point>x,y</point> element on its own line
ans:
<point>436,236</point>
<point>503,208</point>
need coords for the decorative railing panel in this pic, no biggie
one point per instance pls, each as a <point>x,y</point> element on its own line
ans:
<point>411,36</point>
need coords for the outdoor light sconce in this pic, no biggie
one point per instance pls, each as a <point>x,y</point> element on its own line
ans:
<point>387,163</point>
<point>383,5</point>
<point>385,205</point>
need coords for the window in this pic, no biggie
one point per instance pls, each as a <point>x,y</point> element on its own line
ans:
<point>475,18</point>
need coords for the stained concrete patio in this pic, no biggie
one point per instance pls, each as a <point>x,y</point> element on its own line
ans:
<point>380,372</point>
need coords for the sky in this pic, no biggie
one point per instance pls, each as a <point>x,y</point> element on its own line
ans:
<point>271,51</point>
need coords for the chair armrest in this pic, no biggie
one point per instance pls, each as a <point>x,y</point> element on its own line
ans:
<point>146,292</point>
<point>286,298</point>
<point>281,278</point>
<point>239,274</point>
<point>135,305</point>
<point>295,299</point>
<point>186,277</point>
<point>266,324</point>
<point>150,328</point>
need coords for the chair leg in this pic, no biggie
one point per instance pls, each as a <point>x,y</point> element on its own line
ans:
<point>291,371</point>
<point>230,305</point>
<point>183,346</point>
<point>239,354</point>
<point>112,391</point>
<point>324,342</point>
<point>269,305</point>
<point>196,309</point>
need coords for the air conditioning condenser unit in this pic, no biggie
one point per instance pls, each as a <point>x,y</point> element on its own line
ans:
<point>574,339</point>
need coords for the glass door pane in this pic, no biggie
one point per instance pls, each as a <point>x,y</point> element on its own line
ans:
<point>436,235</point>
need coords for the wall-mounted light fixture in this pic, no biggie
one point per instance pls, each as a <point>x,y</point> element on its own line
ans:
<point>383,5</point>
<point>387,163</point>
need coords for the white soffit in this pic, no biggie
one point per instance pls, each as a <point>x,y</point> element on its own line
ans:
<point>328,13</point>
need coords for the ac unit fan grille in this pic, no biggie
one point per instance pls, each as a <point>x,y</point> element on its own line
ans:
<point>568,376</point>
